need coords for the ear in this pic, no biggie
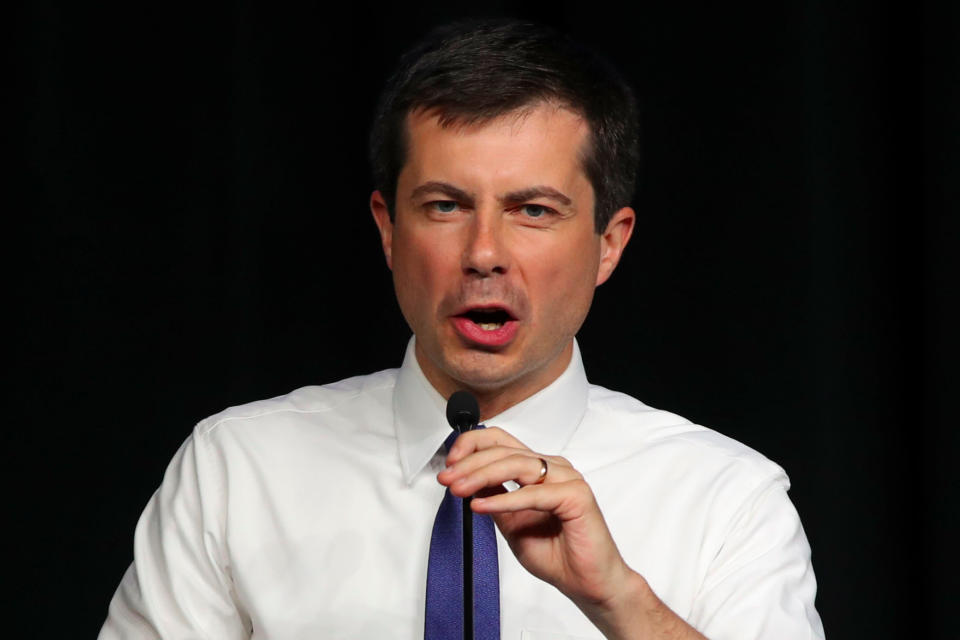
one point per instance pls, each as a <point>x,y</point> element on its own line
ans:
<point>613,241</point>
<point>381,215</point>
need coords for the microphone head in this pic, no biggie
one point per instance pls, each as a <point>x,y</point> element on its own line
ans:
<point>463,412</point>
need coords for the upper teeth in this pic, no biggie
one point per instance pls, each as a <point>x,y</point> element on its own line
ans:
<point>490,326</point>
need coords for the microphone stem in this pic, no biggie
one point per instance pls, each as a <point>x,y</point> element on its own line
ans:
<point>467,569</point>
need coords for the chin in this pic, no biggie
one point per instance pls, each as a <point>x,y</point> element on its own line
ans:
<point>483,372</point>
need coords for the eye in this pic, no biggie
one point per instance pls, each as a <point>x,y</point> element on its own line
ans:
<point>444,206</point>
<point>535,210</point>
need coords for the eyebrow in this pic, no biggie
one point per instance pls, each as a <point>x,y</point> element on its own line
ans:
<point>531,193</point>
<point>441,187</point>
<point>513,197</point>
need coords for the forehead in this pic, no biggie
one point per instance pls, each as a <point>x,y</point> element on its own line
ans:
<point>542,143</point>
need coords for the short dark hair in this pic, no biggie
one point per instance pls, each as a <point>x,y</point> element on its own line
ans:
<point>473,71</point>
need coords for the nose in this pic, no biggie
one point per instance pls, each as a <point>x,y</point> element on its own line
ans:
<point>485,253</point>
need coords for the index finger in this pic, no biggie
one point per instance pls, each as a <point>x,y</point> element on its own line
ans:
<point>480,439</point>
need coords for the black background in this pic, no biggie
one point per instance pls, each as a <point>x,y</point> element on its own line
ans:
<point>196,235</point>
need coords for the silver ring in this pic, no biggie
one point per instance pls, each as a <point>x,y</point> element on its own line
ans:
<point>543,471</point>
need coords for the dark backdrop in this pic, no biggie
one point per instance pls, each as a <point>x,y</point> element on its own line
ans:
<point>196,235</point>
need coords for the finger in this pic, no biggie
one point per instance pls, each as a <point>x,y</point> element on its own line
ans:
<point>566,500</point>
<point>523,468</point>
<point>481,458</point>
<point>479,439</point>
<point>475,460</point>
<point>491,491</point>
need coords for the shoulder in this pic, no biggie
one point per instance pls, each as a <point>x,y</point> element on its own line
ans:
<point>626,426</point>
<point>254,456</point>
<point>681,475</point>
<point>364,398</point>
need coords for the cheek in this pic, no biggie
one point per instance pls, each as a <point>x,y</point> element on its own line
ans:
<point>565,282</point>
<point>420,270</point>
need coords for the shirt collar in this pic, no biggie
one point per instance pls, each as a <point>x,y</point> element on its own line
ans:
<point>544,422</point>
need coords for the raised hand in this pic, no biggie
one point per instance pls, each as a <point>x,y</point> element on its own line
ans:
<point>555,529</point>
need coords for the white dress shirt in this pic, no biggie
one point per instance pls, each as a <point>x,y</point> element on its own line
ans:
<point>309,516</point>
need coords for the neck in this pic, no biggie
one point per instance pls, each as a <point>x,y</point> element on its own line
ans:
<point>493,403</point>
<point>496,398</point>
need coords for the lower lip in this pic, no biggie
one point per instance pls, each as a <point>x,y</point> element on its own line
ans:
<point>496,338</point>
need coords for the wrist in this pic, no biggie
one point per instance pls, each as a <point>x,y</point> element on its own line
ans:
<point>625,612</point>
<point>635,612</point>
<point>613,613</point>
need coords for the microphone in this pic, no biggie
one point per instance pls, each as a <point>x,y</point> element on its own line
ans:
<point>463,414</point>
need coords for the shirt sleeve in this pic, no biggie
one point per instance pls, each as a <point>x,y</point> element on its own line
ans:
<point>761,584</point>
<point>179,584</point>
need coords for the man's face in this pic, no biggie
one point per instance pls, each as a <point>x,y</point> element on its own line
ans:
<point>493,248</point>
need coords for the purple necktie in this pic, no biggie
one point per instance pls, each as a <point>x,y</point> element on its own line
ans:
<point>444,616</point>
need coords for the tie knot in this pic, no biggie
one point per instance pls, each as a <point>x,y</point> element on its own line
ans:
<point>450,440</point>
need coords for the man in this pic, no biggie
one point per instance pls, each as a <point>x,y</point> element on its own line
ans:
<point>504,157</point>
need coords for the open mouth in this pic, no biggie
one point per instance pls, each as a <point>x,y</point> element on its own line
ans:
<point>488,327</point>
<point>488,319</point>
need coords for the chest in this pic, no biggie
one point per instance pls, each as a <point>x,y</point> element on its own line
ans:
<point>340,550</point>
